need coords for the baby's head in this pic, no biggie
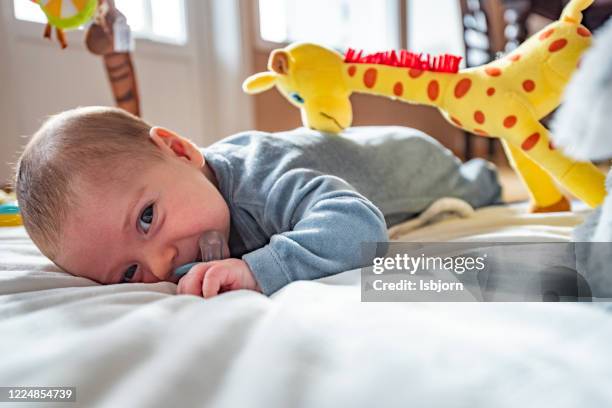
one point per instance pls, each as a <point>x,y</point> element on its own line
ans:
<point>108,197</point>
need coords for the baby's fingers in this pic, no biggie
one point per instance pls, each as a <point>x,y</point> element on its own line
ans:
<point>215,280</point>
<point>191,283</point>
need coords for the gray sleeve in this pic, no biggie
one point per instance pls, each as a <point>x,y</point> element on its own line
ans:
<point>318,223</point>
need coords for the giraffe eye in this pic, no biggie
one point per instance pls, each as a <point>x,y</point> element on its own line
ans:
<point>296,97</point>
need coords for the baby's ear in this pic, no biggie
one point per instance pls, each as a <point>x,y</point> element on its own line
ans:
<point>176,146</point>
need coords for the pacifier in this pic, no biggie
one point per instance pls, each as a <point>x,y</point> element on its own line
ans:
<point>212,248</point>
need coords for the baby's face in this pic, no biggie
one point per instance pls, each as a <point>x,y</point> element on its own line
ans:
<point>141,230</point>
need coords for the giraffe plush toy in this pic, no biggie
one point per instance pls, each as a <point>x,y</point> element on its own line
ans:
<point>505,98</point>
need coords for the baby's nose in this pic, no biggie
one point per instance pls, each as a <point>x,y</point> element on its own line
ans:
<point>161,273</point>
<point>162,265</point>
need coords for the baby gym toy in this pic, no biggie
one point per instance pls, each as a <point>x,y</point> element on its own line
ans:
<point>9,211</point>
<point>66,15</point>
<point>108,35</point>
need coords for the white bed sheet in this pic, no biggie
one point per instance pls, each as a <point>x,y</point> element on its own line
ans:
<point>310,344</point>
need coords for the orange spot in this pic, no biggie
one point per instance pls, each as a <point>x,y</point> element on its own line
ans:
<point>568,19</point>
<point>433,90</point>
<point>514,57</point>
<point>551,146</point>
<point>398,89</point>
<point>352,69</point>
<point>54,8</point>
<point>493,71</point>
<point>557,45</point>
<point>415,73</point>
<point>479,117</point>
<point>528,85</point>
<point>80,4</point>
<point>546,34</point>
<point>456,121</point>
<point>481,132</point>
<point>510,121</point>
<point>530,142</point>
<point>491,91</point>
<point>369,78</point>
<point>462,87</point>
<point>583,32</point>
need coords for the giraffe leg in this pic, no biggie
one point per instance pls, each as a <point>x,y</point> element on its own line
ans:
<point>544,193</point>
<point>582,179</point>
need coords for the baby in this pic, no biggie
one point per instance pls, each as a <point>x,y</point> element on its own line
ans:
<point>108,197</point>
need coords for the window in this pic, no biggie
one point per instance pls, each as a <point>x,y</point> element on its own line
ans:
<point>158,20</point>
<point>28,11</point>
<point>433,26</point>
<point>366,24</point>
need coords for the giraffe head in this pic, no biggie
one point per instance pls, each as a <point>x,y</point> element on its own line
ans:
<point>311,78</point>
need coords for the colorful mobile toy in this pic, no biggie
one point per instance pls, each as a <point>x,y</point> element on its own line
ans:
<point>109,36</point>
<point>9,211</point>
<point>505,98</point>
<point>66,15</point>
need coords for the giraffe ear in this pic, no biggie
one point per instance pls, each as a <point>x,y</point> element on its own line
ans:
<point>259,82</point>
<point>279,62</point>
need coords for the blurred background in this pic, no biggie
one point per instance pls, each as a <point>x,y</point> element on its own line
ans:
<point>191,56</point>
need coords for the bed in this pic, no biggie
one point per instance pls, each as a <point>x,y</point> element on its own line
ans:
<point>313,343</point>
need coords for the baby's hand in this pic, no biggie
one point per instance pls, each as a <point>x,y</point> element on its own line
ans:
<point>212,278</point>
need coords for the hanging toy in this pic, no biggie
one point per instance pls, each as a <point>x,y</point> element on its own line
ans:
<point>110,37</point>
<point>9,211</point>
<point>66,15</point>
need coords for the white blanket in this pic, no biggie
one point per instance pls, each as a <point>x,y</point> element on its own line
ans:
<point>312,344</point>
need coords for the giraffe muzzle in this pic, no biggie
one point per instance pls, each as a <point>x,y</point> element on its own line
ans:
<point>325,115</point>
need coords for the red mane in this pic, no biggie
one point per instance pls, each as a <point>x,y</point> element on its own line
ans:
<point>403,58</point>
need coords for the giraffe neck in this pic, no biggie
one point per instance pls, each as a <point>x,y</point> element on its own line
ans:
<point>409,85</point>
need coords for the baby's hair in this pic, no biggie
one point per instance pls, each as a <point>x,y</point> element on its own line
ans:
<point>92,144</point>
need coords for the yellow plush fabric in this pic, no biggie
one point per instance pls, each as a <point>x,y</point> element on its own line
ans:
<point>505,98</point>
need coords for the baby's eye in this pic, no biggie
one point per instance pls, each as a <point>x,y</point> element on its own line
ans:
<point>296,97</point>
<point>128,275</point>
<point>146,218</point>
